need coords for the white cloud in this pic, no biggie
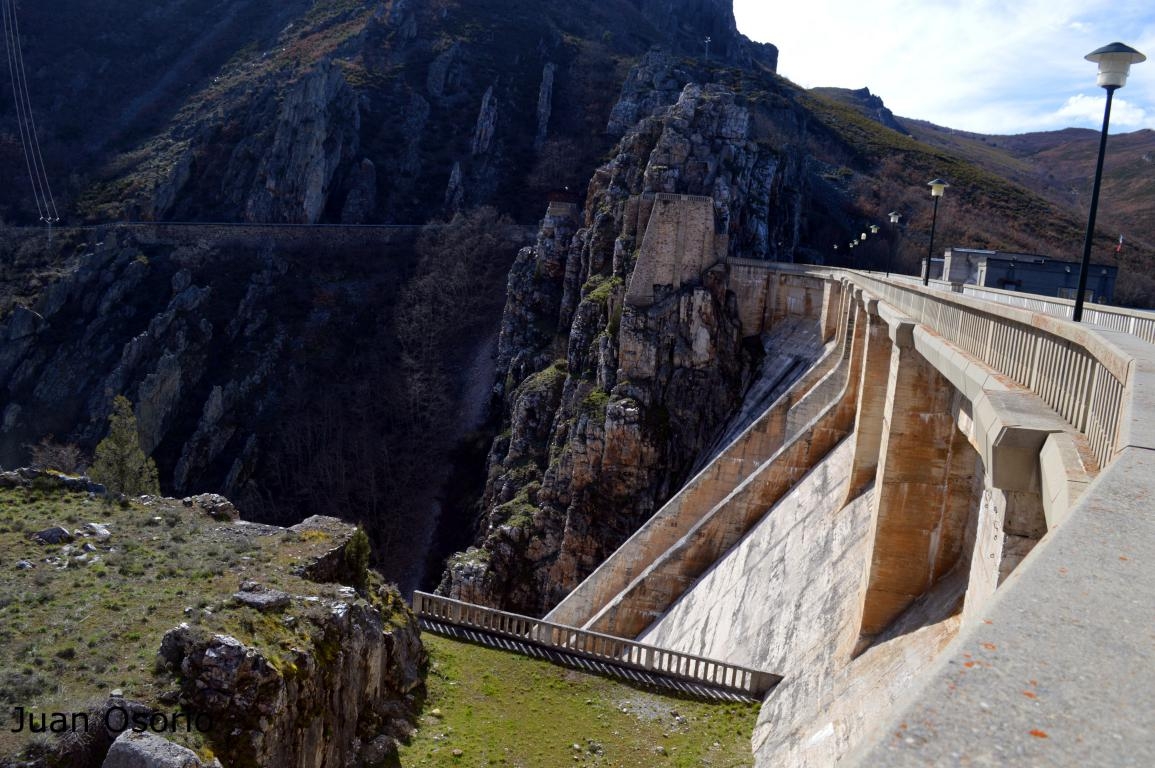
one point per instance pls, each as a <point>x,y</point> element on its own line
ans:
<point>993,66</point>
<point>1081,109</point>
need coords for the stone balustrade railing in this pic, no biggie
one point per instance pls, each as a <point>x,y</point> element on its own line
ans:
<point>594,645</point>
<point>1133,321</point>
<point>1071,368</point>
<point>1068,367</point>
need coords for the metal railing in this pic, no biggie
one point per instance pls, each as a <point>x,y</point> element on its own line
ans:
<point>595,645</point>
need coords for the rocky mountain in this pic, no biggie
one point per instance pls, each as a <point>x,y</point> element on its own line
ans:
<point>339,110</point>
<point>265,363</point>
<point>606,403</point>
<point>430,380</point>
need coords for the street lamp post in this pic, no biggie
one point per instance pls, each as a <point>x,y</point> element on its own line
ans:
<point>894,217</point>
<point>1114,62</point>
<point>937,188</point>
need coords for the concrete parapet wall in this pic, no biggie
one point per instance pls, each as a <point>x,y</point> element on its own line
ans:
<point>1073,369</point>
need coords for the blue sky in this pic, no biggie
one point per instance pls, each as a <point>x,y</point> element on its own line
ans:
<point>991,66</point>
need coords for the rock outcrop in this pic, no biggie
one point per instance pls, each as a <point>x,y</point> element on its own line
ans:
<point>313,661</point>
<point>609,402</point>
<point>868,104</point>
<point>319,706</point>
<point>690,22</point>
<point>317,130</point>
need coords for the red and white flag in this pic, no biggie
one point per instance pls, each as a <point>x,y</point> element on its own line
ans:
<point>1119,247</point>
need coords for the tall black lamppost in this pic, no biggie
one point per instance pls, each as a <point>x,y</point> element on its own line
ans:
<point>1114,62</point>
<point>894,217</point>
<point>937,188</point>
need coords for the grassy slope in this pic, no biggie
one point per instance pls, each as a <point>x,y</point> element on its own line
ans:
<point>69,636</point>
<point>504,709</point>
<point>1060,166</point>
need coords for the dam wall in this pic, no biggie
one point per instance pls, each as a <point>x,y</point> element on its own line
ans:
<point>975,436</point>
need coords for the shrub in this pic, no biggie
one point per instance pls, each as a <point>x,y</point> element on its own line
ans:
<point>357,558</point>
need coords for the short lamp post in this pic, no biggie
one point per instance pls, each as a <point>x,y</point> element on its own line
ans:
<point>894,217</point>
<point>937,188</point>
<point>1114,62</point>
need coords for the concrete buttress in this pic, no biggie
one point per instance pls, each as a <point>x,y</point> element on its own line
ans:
<point>924,487</point>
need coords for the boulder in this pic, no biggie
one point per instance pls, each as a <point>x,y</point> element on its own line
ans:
<point>214,505</point>
<point>57,534</point>
<point>265,601</point>
<point>147,750</point>
<point>98,531</point>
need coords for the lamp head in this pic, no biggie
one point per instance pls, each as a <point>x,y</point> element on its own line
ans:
<point>894,216</point>
<point>1114,62</point>
<point>937,187</point>
<point>863,235</point>
<point>874,229</point>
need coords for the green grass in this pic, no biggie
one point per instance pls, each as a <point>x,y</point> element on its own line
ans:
<point>503,709</point>
<point>599,288</point>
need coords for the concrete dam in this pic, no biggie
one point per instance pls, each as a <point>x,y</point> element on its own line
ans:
<point>935,547</point>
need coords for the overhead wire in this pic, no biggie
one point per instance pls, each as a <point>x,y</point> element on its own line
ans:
<point>50,200</point>
<point>30,141</point>
<point>33,177</point>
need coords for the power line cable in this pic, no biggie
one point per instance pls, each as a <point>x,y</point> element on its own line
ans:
<point>49,200</point>
<point>20,123</point>
<point>29,139</point>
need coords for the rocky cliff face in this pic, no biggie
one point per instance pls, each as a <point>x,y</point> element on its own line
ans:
<point>690,22</point>
<point>342,702</point>
<point>607,404</point>
<point>259,368</point>
<point>244,359</point>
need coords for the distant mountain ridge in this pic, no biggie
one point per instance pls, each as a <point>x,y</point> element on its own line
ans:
<point>1057,166</point>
